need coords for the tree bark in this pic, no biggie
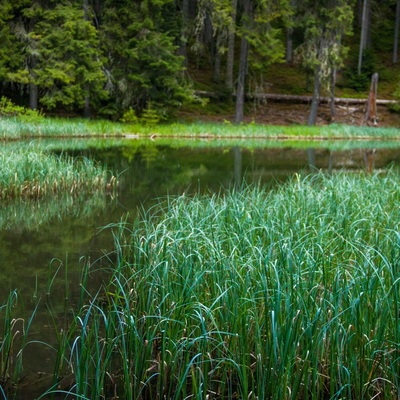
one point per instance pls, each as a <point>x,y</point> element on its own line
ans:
<point>332,95</point>
<point>239,114</point>
<point>396,34</point>
<point>33,96</point>
<point>231,47</point>
<point>289,39</point>
<point>244,49</point>
<point>184,35</point>
<point>364,33</point>
<point>86,109</point>
<point>371,115</point>
<point>315,98</point>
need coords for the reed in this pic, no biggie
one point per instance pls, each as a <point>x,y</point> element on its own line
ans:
<point>13,342</point>
<point>291,293</point>
<point>32,172</point>
<point>17,128</point>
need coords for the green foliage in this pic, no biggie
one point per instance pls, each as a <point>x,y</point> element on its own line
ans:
<point>150,116</point>
<point>145,65</point>
<point>326,24</point>
<point>129,116</point>
<point>356,81</point>
<point>9,109</point>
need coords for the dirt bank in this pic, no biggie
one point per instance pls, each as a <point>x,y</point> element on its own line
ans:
<point>283,113</point>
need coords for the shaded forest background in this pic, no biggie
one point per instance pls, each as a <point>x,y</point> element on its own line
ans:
<point>151,58</point>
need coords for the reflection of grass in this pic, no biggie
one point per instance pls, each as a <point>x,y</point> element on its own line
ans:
<point>291,293</point>
<point>31,172</point>
<point>21,214</point>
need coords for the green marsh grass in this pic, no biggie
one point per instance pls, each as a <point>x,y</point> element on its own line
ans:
<point>289,293</point>
<point>18,128</point>
<point>32,172</point>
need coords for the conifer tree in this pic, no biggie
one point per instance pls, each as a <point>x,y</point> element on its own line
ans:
<point>325,24</point>
<point>59,55</point>
<point>143,66</point>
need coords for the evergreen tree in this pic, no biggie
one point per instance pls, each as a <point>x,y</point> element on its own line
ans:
<point>143,66</point>
<point>325,24</point>
<point>262,44</point>
<point>60,61</point>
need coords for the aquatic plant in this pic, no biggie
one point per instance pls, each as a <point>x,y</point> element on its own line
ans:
<point>31,172</point>
<point>288,293</point>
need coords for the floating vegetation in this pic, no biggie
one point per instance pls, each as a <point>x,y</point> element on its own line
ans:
<point>32,172</point>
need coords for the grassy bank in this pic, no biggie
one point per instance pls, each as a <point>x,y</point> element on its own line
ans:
<point>291,293</point>
<point>18,128</point>
<point>29,171</point>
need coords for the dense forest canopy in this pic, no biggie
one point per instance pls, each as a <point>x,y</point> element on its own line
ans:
<point>113,57</point>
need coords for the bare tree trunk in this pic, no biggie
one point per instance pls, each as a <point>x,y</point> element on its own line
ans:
<point>86,109</point>
<point>396,34</point>
<point>244,49</point>
<point>315,98</point>
<point>217,59</point>
<point>371,115</point>
<point>332,95</point>
<point>239,114</point>
<point>231,47</point>
<point>364,33</point>
<point>184,34</point>
<point>33,96</point>
<point>289,39</point>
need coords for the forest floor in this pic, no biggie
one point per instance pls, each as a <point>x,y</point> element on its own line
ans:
<point>284,113</point>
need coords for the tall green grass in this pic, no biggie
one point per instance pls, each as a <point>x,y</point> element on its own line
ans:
<point>18,128</point>
<point>32,172</point>
<point>292,293</point>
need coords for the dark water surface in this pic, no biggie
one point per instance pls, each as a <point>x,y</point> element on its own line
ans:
<point>45,246</point>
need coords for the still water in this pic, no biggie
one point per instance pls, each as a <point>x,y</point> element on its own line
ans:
<point>44,246</point>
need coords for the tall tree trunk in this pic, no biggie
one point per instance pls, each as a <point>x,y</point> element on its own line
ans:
<point>396,34</point>
<point>315,99</point>
<point>33,89</point>
<point>289,38</point>
<point>231,47</point>
<point>364,33</point>
<point>244,49</point>
<point>86,109</point>
<point>371,114</point>
<point>217,59</point>
<point>184,33</point>
<point>332,95</point>
<point>239,114</point>
<point>33,96</point>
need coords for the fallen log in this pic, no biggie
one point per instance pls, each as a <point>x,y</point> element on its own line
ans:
<point>306,99</point>
<point>299,99</point>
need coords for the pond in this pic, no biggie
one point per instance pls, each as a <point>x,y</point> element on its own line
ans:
<point>46,245</point>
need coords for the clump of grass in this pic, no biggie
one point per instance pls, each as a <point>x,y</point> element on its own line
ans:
<point>13,341</point>
<point>290,293</point>
<point>31,172</point>
<point>17,128</point>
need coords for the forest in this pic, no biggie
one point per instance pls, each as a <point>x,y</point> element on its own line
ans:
<point>128,58</point>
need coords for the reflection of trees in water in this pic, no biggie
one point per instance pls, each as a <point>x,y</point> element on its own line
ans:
<point>311,158</point>
<point>237,167</point>
<point>369,160</point>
